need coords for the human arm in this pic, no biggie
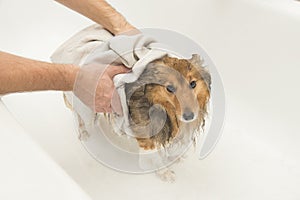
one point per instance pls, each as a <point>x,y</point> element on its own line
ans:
<point>100,12</point>
<point>18,74</point>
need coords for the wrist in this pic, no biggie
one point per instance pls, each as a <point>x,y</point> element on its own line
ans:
<point>126,29</point>
<point>69,73</point>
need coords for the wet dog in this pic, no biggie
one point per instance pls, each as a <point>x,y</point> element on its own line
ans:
<point>180,88</point>
<point>170,94</point>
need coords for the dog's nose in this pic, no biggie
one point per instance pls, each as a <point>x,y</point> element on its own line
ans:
<point>188,116</point>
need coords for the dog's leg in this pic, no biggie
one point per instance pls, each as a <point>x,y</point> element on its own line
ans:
<point>83,134</point>
<point>166,175</point>
<point>67,103</point>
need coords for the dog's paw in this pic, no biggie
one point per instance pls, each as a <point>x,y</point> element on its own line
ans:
<point>146,144</point>
<point>83,135</point>
<point>180,160</point>
<point>166,175</point>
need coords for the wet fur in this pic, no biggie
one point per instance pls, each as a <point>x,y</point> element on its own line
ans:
<point>143,94</point>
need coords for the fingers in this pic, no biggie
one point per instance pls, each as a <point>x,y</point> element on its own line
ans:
<point>103,110</point>
<point>103,95</point>
<point>103,105</point>
<point>109,104</point>
<point>106,97</point>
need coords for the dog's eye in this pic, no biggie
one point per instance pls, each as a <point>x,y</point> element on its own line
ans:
<point>193,84</point>
<point>171,88</point>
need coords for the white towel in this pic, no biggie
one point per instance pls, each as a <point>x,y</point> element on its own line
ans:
<point>96,46</point>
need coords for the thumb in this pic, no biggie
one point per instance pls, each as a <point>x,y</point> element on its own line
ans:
<point>113,70</point>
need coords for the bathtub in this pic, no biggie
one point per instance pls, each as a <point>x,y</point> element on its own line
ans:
<point>255,46</point>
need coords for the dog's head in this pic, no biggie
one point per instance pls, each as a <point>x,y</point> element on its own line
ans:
<point>178,88</point>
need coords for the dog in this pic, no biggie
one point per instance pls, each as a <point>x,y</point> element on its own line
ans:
<point>178,89</point>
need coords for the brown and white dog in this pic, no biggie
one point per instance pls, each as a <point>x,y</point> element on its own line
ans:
<point>177,88</point>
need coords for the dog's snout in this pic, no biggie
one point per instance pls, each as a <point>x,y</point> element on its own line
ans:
<point>188,116</point>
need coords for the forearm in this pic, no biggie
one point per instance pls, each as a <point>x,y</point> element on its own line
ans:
<point>101,12</point>
<point>18,74</point>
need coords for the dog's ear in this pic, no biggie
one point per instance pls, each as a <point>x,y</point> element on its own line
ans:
<point>206,77</point>
<point>196,60</point>
<point>198,63</point>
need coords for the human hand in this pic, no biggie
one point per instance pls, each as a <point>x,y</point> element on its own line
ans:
<point>95,88</point>
<point>107,99</point>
